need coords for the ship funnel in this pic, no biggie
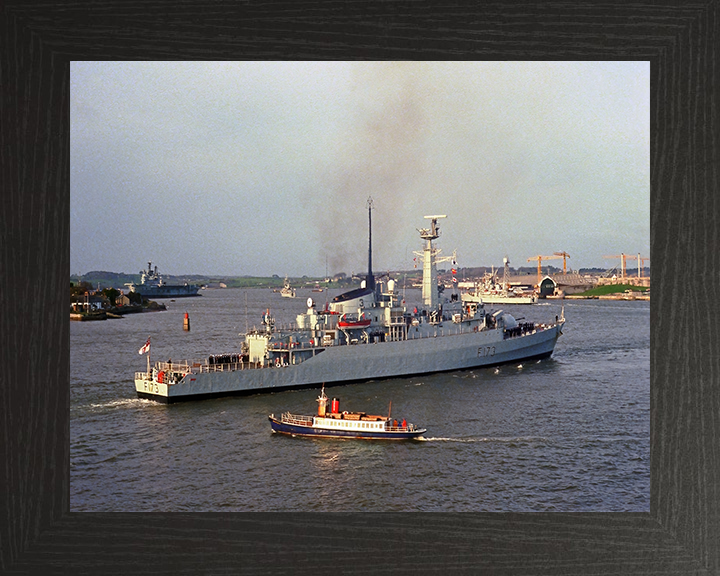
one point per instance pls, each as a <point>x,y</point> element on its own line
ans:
<point>322,402</point>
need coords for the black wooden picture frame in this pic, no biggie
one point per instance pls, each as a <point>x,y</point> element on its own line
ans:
<point>38,534</point>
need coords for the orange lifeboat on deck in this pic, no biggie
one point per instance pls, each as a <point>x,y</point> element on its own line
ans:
<point>352,321</point>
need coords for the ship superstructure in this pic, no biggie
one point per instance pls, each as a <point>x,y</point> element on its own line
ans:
<point>489,290</point>
<point>152,285</point>
<point>366,333</point>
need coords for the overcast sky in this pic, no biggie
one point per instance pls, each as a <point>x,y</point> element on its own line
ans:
<point>243,168</point>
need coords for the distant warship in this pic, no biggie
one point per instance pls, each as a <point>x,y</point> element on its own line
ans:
<point>152,285</point>
<point>490,291</point>
<point>287,291</point>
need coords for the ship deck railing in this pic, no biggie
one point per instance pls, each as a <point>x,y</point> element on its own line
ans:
<point>523,330</point>
<point>182,366</point>
<point>185,367</point>
<point>225,367</point>
<point>408,428</point>
<point>288,418</point>
<point>295,345</point>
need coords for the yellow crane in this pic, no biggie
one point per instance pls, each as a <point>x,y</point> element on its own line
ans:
<point>539,261</point>
<point>564,255</point>
<point>623,258</point>
<point>641,264</point>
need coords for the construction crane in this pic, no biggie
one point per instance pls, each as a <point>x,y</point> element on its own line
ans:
<point>539,261</point>
<point>564,255</point>
<point>641,263</point>
<point>623,259</point>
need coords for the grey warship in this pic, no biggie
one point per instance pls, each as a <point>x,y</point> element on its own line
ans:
<point>152,285</point>
<point>366,333</point>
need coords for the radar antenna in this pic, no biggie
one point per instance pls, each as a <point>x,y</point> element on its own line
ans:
<point>433,232</point>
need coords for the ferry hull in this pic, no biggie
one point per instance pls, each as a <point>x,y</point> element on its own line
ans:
<point>336,365</point>
<point>313,432</point>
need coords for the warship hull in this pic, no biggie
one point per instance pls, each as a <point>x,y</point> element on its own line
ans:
<point>336,365</point>
<point>167,291</point>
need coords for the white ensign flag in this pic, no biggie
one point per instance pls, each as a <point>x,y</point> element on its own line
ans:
<point>145,348</point>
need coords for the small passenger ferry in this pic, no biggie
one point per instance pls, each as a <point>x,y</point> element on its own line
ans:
<point>336,424</point>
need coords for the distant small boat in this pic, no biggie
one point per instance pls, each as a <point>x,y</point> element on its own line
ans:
<point>317,288</point>
<point>287,291</point>
<point>336,424</point>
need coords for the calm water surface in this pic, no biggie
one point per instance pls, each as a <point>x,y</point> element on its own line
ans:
<point>571,433</point>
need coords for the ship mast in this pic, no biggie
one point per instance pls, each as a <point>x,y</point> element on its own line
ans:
<point>370,281</point>
<point>429,286</point>
<point>506,274</point>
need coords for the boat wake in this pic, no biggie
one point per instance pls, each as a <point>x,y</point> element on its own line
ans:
<point>487,439</point>
<point>124,403</point>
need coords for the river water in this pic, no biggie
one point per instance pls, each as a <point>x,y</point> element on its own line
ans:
<point>568,434</point>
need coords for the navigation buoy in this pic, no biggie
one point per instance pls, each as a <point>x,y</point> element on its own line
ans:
<point>186,323</point>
